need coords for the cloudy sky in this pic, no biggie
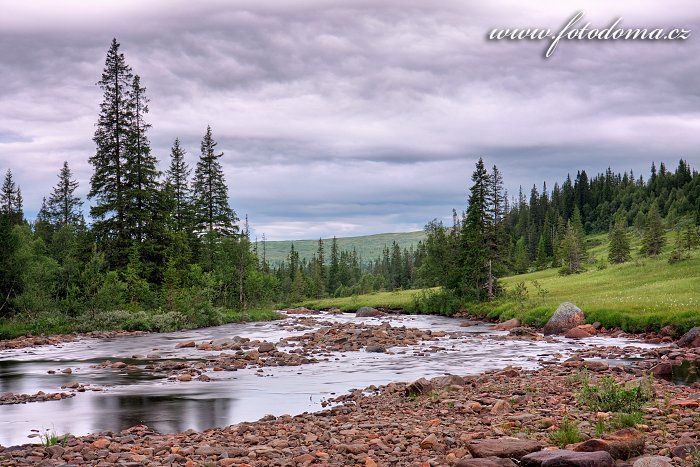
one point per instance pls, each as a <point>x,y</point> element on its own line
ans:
<point>353,117</point>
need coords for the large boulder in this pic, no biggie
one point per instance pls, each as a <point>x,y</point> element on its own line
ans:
<point>368,312</point>
<point>567,316</point>
<point>507,325</point>
<point>511,448</point>
<point>653,461</point>
<point>565,458</point>
<point>690,338</point>
<point>621,444</point>
<point>419,387</point>
<point>485,462</point>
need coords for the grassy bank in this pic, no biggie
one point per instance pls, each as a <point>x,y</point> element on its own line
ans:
<point>641,295</point>
<point>52,324</point>
<point>397,300</point>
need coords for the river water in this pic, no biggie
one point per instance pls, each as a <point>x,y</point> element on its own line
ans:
<point>132,397</point>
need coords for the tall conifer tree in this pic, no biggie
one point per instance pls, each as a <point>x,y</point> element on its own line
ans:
<point>63,207</point>
<point>178,177</point>
<point>11,199</point>
<point>211,208</point>
<point>473,256</point>
<point>112,138</point>
<point>140,172</point>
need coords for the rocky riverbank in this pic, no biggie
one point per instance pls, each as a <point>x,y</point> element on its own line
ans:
<point>449,420</point>
<point>34,341</point>
<point>478,420</point>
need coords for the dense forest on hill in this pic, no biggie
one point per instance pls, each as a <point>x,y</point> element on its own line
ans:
<point>165,250</point>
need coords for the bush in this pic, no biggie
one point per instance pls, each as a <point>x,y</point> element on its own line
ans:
<point>567,433</point>
<point>444,302</point>
<point>609,396</point>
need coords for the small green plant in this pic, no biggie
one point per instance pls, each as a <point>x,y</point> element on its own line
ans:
<point>519,294</point>
<point>567,433</point>
<point>626,420</point>
<point>576,379</point>
<point>50,438</point>
<point>434,396</point>
<point>541,291</point>
<point>599,428</point>
<point>609,396</point>
<point>694,454</point>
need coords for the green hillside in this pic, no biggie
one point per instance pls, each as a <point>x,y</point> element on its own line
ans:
<point>643,294</point>
<point>369,247</point>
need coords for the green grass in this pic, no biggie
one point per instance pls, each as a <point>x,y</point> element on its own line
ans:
<point>257,314</point>
<point>50,438</point>
<point>368,247</point>
<point>567,433</point>
<point>57,323</point>
<point>397,300</point>
<point>643,294</point>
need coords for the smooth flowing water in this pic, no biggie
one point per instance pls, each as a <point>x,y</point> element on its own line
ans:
<point>140,397</point>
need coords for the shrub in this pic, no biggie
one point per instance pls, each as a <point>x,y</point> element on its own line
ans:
<point>609,396</point>
<point>567,433</point>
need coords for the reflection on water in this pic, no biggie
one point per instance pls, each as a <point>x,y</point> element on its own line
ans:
<point>134,396</point>
<point>164,413</point>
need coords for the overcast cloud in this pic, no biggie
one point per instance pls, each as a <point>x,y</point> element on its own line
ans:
<point>353,117</point>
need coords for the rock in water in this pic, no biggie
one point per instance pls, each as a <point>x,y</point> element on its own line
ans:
<point>566,317</point>
<point>564,458</point>
<point>690,338</point>
<point>507,325</point>
<point>368,312</point>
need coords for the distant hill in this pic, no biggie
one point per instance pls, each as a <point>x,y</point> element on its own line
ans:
<point>368,247</point>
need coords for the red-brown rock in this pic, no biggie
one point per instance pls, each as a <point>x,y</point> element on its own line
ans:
<point>503,447</point>
<point>565,458</point>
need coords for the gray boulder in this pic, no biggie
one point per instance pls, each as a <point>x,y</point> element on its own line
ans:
<point>368,312</point>
<point>690,338</point>
<point>567,317</point>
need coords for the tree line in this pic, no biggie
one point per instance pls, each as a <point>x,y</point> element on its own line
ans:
<point>497,236</point>
<point>163,250</point>
<point>166,250</point>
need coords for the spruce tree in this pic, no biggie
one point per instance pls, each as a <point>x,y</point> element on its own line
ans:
<point>333,268</point>
<point>542,259</point>
<point>473,256</point>
<point>140,172</point>
<point>112,139</point>
<point>178,177</point>
<point>654,239</point>
<point>571,254</point>
<point>63,207</point>
<point>10,267</point>
<point>211,209</point>
<point>520,260</point>
<point>319,271</point>
<point>11,199</point>
<point>619,243</point>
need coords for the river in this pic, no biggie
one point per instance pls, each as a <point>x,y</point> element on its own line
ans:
<point>130,397</point>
